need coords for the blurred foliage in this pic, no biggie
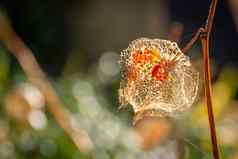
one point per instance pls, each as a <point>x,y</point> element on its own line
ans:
<point>4,70</point>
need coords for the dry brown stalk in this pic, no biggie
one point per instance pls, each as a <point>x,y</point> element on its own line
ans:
<point>204,33</point>
<point>205,38</point>
<point>38,78</point>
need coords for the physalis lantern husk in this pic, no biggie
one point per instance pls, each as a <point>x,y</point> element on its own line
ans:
<point>157,78</point>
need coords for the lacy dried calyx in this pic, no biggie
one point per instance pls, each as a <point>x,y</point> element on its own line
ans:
<point>157,79</point>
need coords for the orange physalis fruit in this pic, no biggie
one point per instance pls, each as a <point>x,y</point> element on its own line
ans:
<point>140,57</point>
<point>160,71</point>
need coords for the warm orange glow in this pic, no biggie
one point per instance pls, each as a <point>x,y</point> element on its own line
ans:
<point>160,71</point>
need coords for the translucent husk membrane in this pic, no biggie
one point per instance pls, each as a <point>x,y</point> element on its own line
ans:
<point>157,79</point>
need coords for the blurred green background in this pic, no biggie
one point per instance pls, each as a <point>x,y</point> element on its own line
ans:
<point>78,43</point>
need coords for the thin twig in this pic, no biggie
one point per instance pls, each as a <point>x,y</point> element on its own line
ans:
<point>204,34</point>
<point>35,74</point>
<point>208,96</point>
<point>207,28</point>
<point>205,37</point>
<point>190,44</point>
<point>210,17</point>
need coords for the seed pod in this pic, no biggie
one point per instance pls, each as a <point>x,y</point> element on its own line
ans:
<point>157,79</point>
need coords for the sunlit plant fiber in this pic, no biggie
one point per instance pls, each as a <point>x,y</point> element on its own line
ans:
<point>157,78</point>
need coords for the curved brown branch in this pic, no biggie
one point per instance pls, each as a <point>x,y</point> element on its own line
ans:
<point>210,18</point>
<point>207,28</point>
<point>192,41</point>
<point>204,34</point>
<point>35,74</point>
<point>205,37</point>
<point>208,96</point>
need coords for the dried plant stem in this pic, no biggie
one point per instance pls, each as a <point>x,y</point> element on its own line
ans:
<point>205,38</point>
<point>204,34</point>
<point>35,74</point>
<point>208,96</point>
<point>210,18</point>
<point>192,41</point>
<point>206,30</point>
